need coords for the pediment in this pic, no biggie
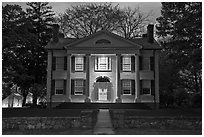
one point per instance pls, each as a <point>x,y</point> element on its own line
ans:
<point>103,39</point>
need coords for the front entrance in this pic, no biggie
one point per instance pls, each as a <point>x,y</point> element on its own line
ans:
<point>102,96</point>
<point>102,89</point>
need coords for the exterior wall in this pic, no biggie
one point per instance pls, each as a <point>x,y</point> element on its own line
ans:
<point>56,75</point>
<point>150,75</point>
<point>143,75</point>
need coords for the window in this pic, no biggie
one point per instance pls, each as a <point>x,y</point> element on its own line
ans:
<point>103,41</point>
<point>79,63</point>
<point>146,87</point>
<point>126,63</point>
<point>103,63</point>
<point>59,63</point>
<point>126,87</point>
<point>78,87</point>
<point>59,87</point>
<point>146,63</point>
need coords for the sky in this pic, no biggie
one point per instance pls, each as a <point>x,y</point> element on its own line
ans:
<point>145,7</point>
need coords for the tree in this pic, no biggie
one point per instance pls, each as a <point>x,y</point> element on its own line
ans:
<point>132,22</point>
<point>40,16</point>
<point>84,20</point>
<point>15,38</point>
<point>25,35</point>
<point>180,27</point>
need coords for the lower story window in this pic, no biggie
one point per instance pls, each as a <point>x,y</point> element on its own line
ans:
<point>126,87</point>
<point>78,87</point>
<point>146,87</point>
<point>59,87</point>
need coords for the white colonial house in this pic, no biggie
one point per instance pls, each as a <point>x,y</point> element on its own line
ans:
<point>103,67</point>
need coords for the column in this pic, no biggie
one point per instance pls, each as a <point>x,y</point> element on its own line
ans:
<point>87,79</point>
<point>137,79</point>
<point>118,100</point>
<point>157,76</point>
<point>68,92</point>
<point>49,75</point>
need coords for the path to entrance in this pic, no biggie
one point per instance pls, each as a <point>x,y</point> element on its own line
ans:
<point>103,125</point>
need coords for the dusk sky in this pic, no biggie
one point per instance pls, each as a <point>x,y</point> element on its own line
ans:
<point>60,7</point>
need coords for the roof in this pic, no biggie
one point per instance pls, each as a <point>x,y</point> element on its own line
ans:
<point>146,45</point>
<point>107,33</point>
<point>61,43</point>
<point>142,43</point>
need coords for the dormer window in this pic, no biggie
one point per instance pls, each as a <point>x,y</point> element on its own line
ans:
<point>103,41</point>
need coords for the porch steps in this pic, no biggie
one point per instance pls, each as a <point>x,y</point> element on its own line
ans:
<point>103,125</point>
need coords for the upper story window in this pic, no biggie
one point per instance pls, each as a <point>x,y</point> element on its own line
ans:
<point>79,63</point>
<point>146,63</point>
<point>126,63</point>
<point>103,63</point>
<point>59,63</point>
<point>59,87</point>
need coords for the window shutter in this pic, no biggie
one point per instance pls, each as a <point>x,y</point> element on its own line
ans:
<point>72,87</point>
<point>152,63</point>
<point>140,62</point>
<point>84,64</point>
<point>133,63</point>
<point>65,88</point>
<point>121,87</point>
<point>84,88</point>
<point>141,87</point>
<point>73,63</point>
<point>65,63</point>
<point>152,88</point>
<point>53,63</point>
<point>53,87</point>
<point>121,63</point>
<point>133,87</point>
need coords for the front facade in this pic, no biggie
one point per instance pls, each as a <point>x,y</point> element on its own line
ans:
<point>103,67</point>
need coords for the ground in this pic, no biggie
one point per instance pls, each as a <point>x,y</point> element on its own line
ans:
<point>117,132</point>
<point>133,131</point>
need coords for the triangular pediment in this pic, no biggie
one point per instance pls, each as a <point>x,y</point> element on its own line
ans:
<point>103,39</point>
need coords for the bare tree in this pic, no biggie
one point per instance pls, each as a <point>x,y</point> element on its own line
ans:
<point>84,20</point>
<point>132,22</point>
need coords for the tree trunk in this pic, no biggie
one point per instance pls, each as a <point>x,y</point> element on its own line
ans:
<point>25,93</point>
<point>196,81</point>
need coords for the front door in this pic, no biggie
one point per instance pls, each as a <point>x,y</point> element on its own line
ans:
<point>102,96</point>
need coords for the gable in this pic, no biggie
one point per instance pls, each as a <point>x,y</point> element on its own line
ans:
<point>103,39</point>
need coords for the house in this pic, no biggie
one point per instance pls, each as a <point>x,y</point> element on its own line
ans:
<point>103,67</point>
<point>14,100</point>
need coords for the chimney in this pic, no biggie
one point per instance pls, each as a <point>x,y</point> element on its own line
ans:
<point>150,33</point>
<point>55,33</point>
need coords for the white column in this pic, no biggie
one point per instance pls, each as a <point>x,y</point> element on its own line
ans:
<point>137,79</point>
<point>68,88</point>
<point>118,100</point>
<point>49,75</point>
<point>87,79</point>
<point>157,76</point>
